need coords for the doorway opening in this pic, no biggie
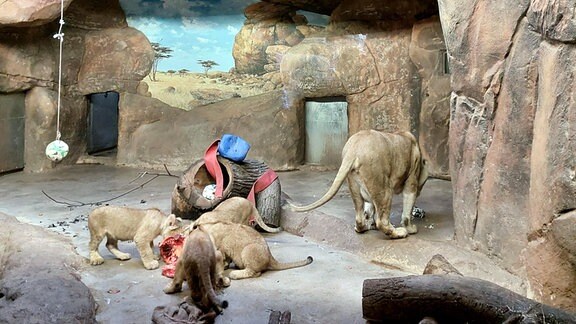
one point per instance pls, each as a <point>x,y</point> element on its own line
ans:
<point>326,122</point>
<point>12,131</point>
<point>103,123</point>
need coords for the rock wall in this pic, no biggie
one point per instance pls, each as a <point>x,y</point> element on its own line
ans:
<point>512,137</point>
<point>100,53</point>
<point>178,138</point>
<point>381,58</point>
<point>428,53</point>
<point>266,24</point>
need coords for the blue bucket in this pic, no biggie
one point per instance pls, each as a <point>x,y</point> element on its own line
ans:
<point>233,147</point>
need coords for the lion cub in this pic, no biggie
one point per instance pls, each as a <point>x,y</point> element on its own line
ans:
<point>125,224</point>
<point>247,248</point>
<point>236,210</point>
<point>201,265</point>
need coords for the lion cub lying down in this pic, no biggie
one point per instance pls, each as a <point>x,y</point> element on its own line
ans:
<point>201,265</point>
<point>125,224</point>
<point>236,210</point>
<point>247,248</point>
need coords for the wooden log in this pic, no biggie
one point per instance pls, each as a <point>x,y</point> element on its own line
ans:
<point>451,299</point>
<point>268,203</point>
<point>189,203</point>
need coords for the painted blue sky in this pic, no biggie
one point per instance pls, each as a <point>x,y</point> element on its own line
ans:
<point>194,30</point>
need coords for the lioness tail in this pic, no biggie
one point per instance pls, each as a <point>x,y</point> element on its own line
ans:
<point>275,265</point>
<point>343,171</point>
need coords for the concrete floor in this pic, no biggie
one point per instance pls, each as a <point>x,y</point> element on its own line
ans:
<point>327,291</point>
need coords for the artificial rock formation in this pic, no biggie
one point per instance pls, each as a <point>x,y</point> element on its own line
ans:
<point>36,260</point>
<point>178,138</point>
<point>100,53</point>
<point>266,25</point>
<point>376,59</point>
<point>25,13</point>
<point>512,136</point>
<point>428,53</point>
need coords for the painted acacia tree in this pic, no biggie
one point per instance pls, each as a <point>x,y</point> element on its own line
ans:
<point>160,52</point>
<point>207,65</point>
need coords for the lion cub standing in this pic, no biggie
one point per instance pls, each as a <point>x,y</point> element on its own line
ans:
<point>125,224</point>
<point>247,248</point>
<point>201,265</point>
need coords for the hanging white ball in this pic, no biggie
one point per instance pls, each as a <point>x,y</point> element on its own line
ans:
<point>57,150</point>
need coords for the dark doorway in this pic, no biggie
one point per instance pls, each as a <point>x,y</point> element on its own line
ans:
<point>103,122</point>
<point>12,120</point>
<point>326,130</point>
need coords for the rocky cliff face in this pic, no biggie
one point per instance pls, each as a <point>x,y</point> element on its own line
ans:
<point>511,114</point>
<point>101,53</point>
<point>512,136</point>
<point>266,25</point>
<point>384,58</point>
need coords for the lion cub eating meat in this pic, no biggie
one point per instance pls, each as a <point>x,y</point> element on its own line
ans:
<point>125,224</point>
<point>236,210</point>
<point>247,248</point>
<point>201,265</point>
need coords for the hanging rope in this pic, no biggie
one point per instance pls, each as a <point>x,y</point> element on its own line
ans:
<point>60,36</point>
<point>57,150</point>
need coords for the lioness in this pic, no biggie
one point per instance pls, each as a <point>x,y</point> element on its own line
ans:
<point>378,165</point>
<point>236,210</point>
<point>201,265</point>
<point>247,248</point>
<point>124,224</point>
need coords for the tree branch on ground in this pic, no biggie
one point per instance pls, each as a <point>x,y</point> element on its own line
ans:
<point>76,203</point>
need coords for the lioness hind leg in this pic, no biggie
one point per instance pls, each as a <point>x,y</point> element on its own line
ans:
<point>409,198</point>
<point>362,214</point>
<point>95,257</point>
<point>112,246</point>
<point>243,274</point>
<point>383,202</point>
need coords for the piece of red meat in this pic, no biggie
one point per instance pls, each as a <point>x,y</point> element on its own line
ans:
<point>170,250</point>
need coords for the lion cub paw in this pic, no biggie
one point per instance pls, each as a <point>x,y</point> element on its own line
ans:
<point>172,288</point>
<point>151,265</point>
<point>225,281</point>
<point>96,259</point>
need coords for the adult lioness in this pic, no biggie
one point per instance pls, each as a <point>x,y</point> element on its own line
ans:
<point>128,224</point>
<point>236,210</point>
<point>246,248</point>
<point>378,165</point>
<point>201,265</point>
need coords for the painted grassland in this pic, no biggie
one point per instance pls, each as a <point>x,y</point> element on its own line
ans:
<point>188,90</point>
